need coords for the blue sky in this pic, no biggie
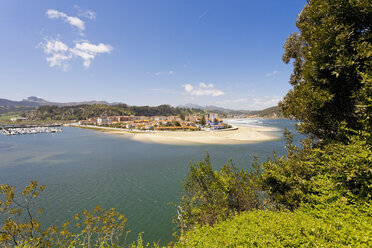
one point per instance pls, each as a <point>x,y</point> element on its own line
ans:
<point>224,53</point>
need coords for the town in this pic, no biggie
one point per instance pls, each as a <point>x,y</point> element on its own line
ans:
<point>195,122</point>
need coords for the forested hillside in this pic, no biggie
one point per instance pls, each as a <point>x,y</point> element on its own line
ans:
<point>272,112</point>
<point>82,112</point>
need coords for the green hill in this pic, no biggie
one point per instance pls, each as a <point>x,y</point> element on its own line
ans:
<point>272,112</point>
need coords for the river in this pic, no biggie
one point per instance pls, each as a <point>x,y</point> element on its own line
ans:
<point>82,168</point>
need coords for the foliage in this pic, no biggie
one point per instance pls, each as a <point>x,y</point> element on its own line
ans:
<point>140,244</point>
<point>20,228</point>
<point>210,195</point>
<point>331,54</point>
<point>272,112</point>
<point>12,109</point>
<point>364,106</point>
<point>82,112</point>
<point>182,116</point>
<point>95,228</point>
<point>203,122</point>
<point>6,117</point>
<point>321,195</point>
<point>320,174</point>
<point>338,225</point>
<point>15,226</point>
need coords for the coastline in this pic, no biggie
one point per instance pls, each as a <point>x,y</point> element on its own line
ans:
<point>236,135</point>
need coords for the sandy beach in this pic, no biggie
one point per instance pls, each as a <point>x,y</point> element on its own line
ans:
<point>241,135</point>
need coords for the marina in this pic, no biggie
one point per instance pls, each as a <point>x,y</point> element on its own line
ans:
<point>29,129</point>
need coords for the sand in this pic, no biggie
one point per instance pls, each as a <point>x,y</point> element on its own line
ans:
<point>241,135</point>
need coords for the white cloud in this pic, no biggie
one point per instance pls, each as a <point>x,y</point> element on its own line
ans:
<point>265,102</point>
<point>90,14</point>
<point>88,51</point>
<point>159,73</point>
<point>205,86</point>
<point>188,87</point>
<point>59,54</point>
<point>73,21</point>
<point>272,73</point>
<point>202,90</point>
<point>227,101</point>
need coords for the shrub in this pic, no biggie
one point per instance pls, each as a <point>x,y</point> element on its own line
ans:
<point>320,174</point>
<point>338,225</point>
<point>211,195</point>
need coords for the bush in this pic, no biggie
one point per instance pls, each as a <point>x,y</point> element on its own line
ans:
<point>211,195</point>
<point>338,225</point>
<point>19,226</point>
<point>319,175</point>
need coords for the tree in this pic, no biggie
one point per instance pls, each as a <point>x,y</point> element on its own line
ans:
<point>203,121</point>
<point>19,226</point>
<point>182,116</point>
<point>331,54</point>
<point>211,195</point>
<point>14,228</point>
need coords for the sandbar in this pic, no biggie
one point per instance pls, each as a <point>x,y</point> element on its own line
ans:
<point>240,135</point>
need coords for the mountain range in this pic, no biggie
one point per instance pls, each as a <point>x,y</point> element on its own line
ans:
<point>271,112</point>
<point>214,108</point>
<point>32,102</point>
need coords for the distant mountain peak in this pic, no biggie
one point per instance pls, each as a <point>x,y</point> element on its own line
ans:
<point>35,99</point>
<point>191,105</point>
<point>208,107</point>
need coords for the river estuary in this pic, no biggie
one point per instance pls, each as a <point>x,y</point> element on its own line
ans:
<point>82,168</point>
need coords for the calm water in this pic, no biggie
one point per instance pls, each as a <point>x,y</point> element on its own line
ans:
<point>82,168</point>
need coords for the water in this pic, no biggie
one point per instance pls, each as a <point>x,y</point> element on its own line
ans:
<point>82,168</point>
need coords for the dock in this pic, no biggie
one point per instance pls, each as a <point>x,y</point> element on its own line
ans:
<point>29,129</point>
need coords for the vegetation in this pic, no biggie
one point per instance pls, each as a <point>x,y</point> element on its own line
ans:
<point>14,109</point>
<point>6,117</point>
<point>338,225</point>
<point>272,112</point>
<point>320,175</point>
<point>332,67</point>
<point>203,122</point>
<point>82,112</point>
<point>215,195</point>
<point>21,228</point>
<point>319,195</point>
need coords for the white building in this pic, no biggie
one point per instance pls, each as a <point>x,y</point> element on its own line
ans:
<point>18,119</point>
<point>104,120</point>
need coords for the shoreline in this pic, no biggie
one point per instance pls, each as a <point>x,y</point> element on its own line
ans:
<point>236,135</point>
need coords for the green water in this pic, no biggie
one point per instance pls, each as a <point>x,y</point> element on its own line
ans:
<point>82,168</point>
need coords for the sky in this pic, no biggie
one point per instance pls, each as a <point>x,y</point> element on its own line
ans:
<point>147,52</point>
